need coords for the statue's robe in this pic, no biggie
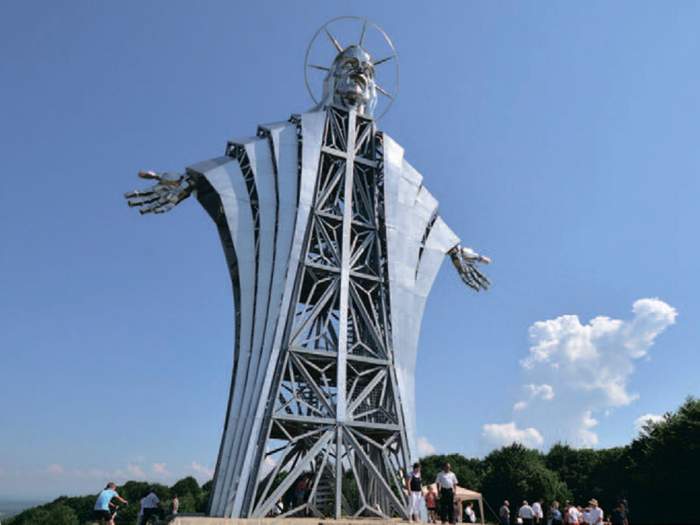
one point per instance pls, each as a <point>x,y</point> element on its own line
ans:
<point>260,195</point>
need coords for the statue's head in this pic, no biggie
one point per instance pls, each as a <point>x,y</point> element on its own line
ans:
<point>350,81</point>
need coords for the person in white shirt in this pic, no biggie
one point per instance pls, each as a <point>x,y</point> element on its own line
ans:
<point>447,483</point>
<point>176,504</point>
<point>525,513</point>
<point>537,513</point>
<point>469,511</point>
<point>595,513</point>
<point>149,507</point>
<point>574,516</point>
<point>504,513</point>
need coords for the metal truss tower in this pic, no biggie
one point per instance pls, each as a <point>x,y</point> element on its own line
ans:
<point>336,416</point>
<point>332,243</point>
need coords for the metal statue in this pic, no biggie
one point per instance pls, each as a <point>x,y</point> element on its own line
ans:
<point>332,243</point>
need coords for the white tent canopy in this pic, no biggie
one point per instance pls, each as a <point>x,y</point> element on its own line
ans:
<point>463,494</point>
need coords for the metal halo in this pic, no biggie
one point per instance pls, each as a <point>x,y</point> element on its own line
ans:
<point>365,24</point>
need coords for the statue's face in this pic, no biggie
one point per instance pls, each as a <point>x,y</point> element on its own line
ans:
<point>353,79</point>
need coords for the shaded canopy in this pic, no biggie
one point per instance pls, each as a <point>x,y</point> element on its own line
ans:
<point>461,493</point>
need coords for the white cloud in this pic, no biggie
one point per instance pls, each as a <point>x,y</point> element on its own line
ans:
<point>425,447</point>
<point>498,435</point>
<point>641,421</point>
<point>55,469</point>
<point>204,472</point>
<point>160,469</point>
<point>581,370</point>
<point>135,471</point>
<point>545,392</point>
<point>520,405</point>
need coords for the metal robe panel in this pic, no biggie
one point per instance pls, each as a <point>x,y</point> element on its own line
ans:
<point>282,140</point>
<point>227,181</point>
<point>257,168</point>
<point>296,183</point>
<point>411,246</point>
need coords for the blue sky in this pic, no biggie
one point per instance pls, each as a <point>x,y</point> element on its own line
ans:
<point>561,139</point>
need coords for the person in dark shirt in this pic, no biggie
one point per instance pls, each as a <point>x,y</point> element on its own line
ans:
<point>619,515</point>
<point>415,493</point>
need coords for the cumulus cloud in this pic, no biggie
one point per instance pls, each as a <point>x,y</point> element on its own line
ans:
<point>160,469</point>
<point>644,420</point>
<point>498,435</point>
<point>425,447</point>
<point>135,471</point>
<point>574,371</point>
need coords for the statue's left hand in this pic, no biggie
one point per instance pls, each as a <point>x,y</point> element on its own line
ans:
<point>168,191</point>
<point>465,261</point>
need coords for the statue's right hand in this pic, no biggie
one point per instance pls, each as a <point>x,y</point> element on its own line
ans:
<point>168,191</point>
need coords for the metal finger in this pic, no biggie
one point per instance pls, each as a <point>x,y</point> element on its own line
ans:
<point>136,193</point>
<point>133,203</point>
<point>149,175</point>
<point>164,209</point>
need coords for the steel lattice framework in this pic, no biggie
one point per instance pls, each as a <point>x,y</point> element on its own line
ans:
<point>336,413</point>
<point>309,213</point>
<point>332,244</point>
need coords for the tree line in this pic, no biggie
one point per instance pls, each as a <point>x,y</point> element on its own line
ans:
<point>655,473</point>
<point>78,510</point>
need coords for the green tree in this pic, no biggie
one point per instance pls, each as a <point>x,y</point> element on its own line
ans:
<point>662,466</point>
<point>203,502</point>
<point>50,514</point>
<point>467,470</point>
<point>517,473</point>
<point>574,467</point>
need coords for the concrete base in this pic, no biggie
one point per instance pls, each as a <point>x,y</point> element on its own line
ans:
<point>201,520</point>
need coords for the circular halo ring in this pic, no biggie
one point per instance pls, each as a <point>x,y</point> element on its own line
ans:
<point>365,24</point>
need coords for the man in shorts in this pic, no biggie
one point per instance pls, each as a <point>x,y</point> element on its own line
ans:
<point>101,511</point>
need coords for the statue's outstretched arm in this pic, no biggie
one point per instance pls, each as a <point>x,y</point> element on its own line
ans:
<point>466,260</point>
<point>169,190</point>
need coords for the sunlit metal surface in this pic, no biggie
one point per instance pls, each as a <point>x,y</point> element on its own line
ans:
<point>333,244</point>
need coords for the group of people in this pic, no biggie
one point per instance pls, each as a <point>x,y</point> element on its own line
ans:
<point>105,509</point>
<point>568,514</point>
<point>443,504</point>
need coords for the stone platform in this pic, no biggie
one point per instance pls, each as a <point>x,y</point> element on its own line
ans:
<point>202,520</point>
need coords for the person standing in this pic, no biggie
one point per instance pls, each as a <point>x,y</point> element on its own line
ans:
<point>101,511</point>
<point>619,515</point>
<point>504,513</point>
<point>457,511</point>
<point>573,516</point>
<point>149,507</point>
<point>175,504</point>
<point>525,513</point>
<point>469,511</point>
<point>537,513</point>
<point>415,494</point>
<point>626,507</point>
<point>555,514</point>
<point>595,513</point>
<point>431,504</point>
<point>446,482</point>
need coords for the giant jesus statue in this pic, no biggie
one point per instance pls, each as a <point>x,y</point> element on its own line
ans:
<point>332,243</point>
